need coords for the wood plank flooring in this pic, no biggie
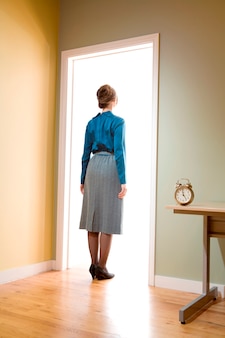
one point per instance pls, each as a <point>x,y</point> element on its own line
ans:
<point>69,304</point>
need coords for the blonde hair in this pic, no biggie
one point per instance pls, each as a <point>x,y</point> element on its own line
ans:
<point>105,95</point>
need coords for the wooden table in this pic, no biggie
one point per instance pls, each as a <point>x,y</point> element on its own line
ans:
<point>213,226</point>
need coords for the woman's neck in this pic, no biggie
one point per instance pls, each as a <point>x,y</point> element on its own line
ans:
<point>108,108</point>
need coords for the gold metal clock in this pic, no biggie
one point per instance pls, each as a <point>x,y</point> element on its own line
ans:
<point>184,194</point>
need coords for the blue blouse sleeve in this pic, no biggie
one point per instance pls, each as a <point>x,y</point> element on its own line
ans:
<point>86,154</point>
<point>120,151</point>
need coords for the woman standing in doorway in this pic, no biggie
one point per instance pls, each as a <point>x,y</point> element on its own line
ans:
<point>103,181</point>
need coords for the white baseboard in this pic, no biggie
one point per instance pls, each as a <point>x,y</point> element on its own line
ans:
<point>185,285</point>
<point>172,283</point>
<point>11,275</point>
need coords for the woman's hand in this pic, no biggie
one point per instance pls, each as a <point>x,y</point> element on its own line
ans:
<point>82,188</point>
<point>123,191</point>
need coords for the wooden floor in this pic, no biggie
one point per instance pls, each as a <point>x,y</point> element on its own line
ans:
<point>69,304</point>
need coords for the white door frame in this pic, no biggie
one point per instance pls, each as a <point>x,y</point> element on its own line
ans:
<point>65,136</point>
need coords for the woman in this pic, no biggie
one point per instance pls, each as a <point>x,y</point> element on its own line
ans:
<point>103,181</point>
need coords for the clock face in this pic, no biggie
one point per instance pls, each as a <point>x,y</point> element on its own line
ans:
<point>184,195</point>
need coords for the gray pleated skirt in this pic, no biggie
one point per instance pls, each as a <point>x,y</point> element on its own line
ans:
<point>102,210</point>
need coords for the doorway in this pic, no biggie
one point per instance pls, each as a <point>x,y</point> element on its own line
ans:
<point>131,67</point>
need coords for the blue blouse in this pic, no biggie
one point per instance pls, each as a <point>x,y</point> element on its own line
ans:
<point>108,131</point>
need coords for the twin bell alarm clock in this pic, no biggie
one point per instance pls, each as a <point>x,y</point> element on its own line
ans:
<point>184,194</point>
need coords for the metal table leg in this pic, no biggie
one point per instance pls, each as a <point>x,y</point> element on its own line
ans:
<point>194,308</point>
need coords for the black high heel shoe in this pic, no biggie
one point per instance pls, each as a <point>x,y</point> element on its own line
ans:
<point>103,273</point>
<point>92,270</point>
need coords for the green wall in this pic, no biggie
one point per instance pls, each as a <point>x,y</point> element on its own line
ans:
<point>191,132</point>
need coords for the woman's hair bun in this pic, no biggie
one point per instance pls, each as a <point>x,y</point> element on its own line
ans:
<point>105,95</point>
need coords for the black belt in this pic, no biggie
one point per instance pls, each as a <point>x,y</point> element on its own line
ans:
<point>100,151</point>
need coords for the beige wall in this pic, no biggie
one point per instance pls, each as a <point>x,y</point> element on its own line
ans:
<point>191,138</point>
<point>28,63</point>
